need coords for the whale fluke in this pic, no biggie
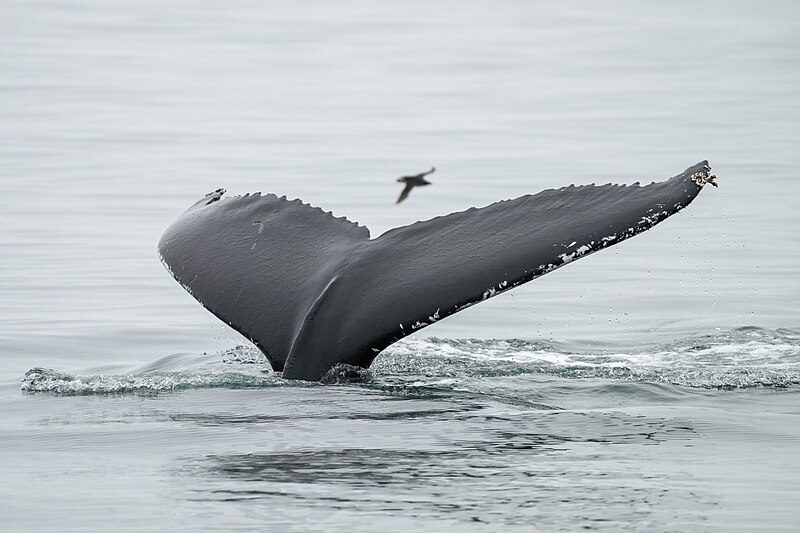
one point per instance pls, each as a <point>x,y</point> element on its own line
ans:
<point>312,291</point>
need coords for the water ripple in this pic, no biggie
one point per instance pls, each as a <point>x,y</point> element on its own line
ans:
<point>741,358</point>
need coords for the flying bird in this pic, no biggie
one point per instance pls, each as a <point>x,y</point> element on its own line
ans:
<point>413,181</point>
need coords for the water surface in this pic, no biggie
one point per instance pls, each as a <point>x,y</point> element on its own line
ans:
<point>653,386</point>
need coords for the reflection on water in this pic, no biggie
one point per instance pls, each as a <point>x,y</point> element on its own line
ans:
<point>223,420</point>
<point>521,468</point>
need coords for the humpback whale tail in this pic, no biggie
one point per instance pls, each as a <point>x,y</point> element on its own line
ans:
<point>312,291</point>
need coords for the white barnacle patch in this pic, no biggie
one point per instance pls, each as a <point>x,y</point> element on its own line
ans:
<point>166,265</point>
<point>699,178</point>
<point>376,350</point>
<point>549,268</point>
<point>655,218</point>
<point>494,291</point>
<point>566,258</point>
<point>648,220</point>
<point>419,325</point>
<point>703,177</point>
<point>187,288</point>
<point>434,317</point>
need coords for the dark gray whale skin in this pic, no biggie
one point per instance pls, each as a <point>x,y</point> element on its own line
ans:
<point>312,291</point>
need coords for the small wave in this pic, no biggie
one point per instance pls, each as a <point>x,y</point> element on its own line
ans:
<point>242,366</point>
<point>742,358</point>
<point>49,380</point>
<point>244,355</point>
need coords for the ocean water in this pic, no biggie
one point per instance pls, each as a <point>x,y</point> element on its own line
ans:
<point>654,386</point>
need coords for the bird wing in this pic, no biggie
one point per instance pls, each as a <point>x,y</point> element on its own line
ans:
<point>406,190</point>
